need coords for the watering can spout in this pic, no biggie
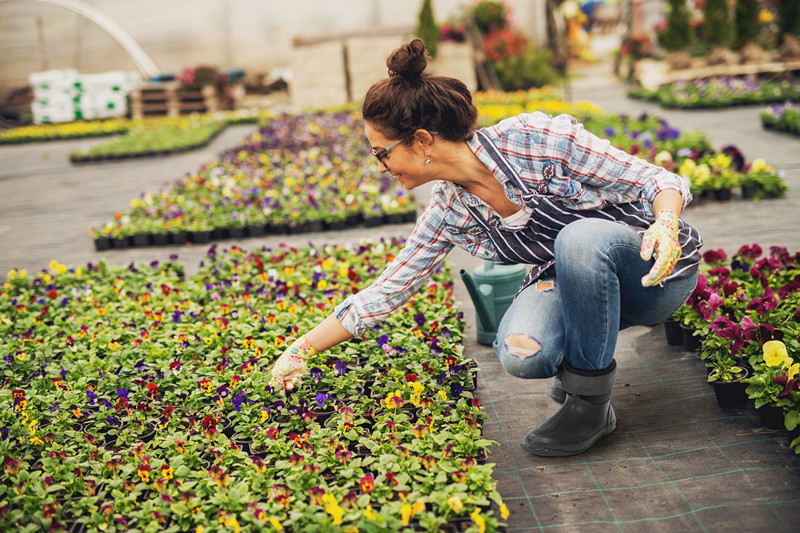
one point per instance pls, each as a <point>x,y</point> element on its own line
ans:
<point>479,296</point>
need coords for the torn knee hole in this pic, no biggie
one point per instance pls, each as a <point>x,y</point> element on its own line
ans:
<point>522,345</point>
<point>543,286</point>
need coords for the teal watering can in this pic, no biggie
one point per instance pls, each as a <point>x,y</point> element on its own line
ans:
<point>492,288</point>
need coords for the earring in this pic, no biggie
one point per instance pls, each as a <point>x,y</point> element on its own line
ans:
<point>427,160</point>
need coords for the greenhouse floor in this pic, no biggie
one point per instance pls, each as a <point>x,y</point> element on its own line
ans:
<point>677,462</point>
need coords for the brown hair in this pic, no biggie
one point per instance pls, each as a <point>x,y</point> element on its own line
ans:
<point>411,99</point>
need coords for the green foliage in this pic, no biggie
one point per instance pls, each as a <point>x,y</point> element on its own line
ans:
<point>427,29</point>
<point>533,68</point>
<point>717,25</point>
<point>745,16</point>
<point>679,32</point>
<point>788,19</point>
<point>489,16</point>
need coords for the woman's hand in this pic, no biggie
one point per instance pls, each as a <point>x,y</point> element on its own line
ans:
<point>291,365</point>
<point>661,238</point>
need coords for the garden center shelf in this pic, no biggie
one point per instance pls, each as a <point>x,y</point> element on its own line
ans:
<point>652,74</point>
<point>169,99</point>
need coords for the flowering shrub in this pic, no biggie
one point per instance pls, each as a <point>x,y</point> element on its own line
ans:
<point>719,92</point>
<point>138,398</point>
<point>746,308</point>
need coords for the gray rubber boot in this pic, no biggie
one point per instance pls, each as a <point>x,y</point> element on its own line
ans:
<point>557,391</point>
<point>585,417</point>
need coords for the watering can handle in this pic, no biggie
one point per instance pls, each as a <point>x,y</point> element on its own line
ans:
<point>484,314</point>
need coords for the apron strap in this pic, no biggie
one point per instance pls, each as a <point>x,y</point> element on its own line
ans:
<point>505,166</point>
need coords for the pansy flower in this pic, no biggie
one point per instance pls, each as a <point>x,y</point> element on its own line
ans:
<point>315,494</point>
<point>144,472</point>
<point>49,509</point>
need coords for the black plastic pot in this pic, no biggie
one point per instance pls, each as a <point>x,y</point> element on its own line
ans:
<point>236,233</point>
<point>674,333</point>
<point>140,240</point>
<point>256,230</point>
<point>730,394</point>
<point>691,342</point>
<point>771,416</point>
<point>749,191</point>
<point>201,237</point>
<point>102,243</point>
<point>723,195</point>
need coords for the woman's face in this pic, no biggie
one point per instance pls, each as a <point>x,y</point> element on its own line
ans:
<point>406,163</point>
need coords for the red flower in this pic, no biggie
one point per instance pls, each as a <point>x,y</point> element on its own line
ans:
<point>367,483</point>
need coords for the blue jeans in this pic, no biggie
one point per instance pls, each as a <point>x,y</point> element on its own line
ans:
<point>578,314</point>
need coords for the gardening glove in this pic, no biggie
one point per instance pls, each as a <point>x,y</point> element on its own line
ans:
<point>291,365</point>
<point>661,240</point>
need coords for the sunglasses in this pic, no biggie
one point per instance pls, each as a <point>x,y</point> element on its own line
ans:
<point>381,154</point>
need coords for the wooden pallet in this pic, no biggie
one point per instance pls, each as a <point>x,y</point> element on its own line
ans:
<point>167,99</point>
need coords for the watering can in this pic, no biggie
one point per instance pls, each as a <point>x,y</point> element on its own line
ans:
<point>492,289</point>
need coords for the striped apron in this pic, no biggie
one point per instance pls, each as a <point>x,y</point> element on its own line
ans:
<point>534,243</point>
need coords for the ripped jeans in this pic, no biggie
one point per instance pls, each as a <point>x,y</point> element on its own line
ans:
<point>578,314</point>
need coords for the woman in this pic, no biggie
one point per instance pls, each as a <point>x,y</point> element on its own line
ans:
<point>600,227</point>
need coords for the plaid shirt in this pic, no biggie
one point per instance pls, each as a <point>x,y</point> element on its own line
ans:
<point>555,156</point>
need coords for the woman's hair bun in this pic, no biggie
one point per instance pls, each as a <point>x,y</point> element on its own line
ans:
<point>408,61</point>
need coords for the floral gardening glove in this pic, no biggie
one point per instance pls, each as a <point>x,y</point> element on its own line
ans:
<point>291,365</point>
<point>662,238</point>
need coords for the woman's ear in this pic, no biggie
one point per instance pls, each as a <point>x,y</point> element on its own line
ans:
<point>423,137</point>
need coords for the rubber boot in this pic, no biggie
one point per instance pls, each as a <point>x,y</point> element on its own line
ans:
<point>557,391</point>
<point>585,417</point>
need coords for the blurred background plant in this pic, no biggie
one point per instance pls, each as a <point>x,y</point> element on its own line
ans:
<point>517,60</point>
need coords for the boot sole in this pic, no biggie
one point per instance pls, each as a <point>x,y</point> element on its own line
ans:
<point>551,452</point>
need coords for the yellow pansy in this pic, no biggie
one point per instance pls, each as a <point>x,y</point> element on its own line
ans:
<point>405,513</point>
<point>775,353</point>
<point>333,509</point>
<point>504,511</point>
<point>759,164</point>
<point>369,514</point>
<point>478,519</point>
<point>455,504</point>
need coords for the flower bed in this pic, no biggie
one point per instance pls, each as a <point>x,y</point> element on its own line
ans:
<point>494,106</point>
<point>141,129</point>
<point>714,175</point>
<point>783,117</point>
<point>164,139</point>
<point>298,173</point>
<point>719,92</point>
<point>164,136</point>
<point>745,313</point>
<point>71,130</point>
<point>138,398</point>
